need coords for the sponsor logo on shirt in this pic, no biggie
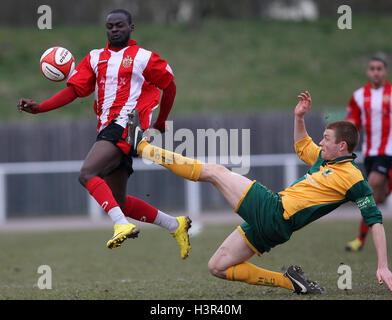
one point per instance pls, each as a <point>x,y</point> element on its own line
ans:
<point>327,172</point>
<point>365,202</point>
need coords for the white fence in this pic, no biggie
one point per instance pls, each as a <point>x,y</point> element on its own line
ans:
<point>289,162</point>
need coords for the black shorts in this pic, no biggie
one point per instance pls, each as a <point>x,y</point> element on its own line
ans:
<point>380,164</point>
<point>118,135</point>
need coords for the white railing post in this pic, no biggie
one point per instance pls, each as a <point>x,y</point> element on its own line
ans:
<point>93,208</point>
<point>193,205</point>
<point>3,197</point>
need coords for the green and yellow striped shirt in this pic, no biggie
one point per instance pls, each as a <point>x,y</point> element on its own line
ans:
<point>326,186</point>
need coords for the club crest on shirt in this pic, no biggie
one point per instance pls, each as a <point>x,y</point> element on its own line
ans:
<point>386,98</point>
<point>127,62</point>
<point>327,172</point>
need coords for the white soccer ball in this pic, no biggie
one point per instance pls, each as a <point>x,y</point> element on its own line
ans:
<point>57,64</point>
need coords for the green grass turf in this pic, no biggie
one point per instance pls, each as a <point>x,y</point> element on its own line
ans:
<point>226,66</point>
<point>150,267</point>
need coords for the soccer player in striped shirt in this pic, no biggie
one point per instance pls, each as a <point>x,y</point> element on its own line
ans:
<point>123,77</point>
<point>370,108</point>
<point>271,218</point>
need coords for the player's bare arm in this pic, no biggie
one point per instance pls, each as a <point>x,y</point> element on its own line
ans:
<point>303,106</point>
<point>383,272</point>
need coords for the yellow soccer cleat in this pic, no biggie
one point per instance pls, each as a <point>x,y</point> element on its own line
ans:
<point>355,245</point>
<point>121,233</point>
<point>181,235</point>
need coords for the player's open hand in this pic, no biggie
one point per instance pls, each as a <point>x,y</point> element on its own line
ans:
<point>385,275</point>
<point>27,105</point>
<point>304,104</point>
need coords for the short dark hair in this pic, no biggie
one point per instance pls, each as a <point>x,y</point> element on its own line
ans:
<point>345,131</point>
<point>377,58</point>
<point>124,12</point>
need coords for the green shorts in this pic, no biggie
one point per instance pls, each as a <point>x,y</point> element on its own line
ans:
<point>264,225</point>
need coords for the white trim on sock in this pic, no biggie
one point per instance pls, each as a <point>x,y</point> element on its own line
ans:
<point>117,216</point>
<point>166,221</point>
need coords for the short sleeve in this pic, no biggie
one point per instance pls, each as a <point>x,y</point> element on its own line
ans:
<point>307,150</point>
<point>158,72</point>
<point>83,78</point>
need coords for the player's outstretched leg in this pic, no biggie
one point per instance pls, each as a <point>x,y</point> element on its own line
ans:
<point>231,185</point>
<point>177,226</point>
<point>140,210</point>
<point>229,262</point>
<point>122,228</point>
<point>103,158</point>
<point>182,166</point>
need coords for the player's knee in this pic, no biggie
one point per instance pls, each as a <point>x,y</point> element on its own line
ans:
<point>84,177</point>
<point>82,180</point>
<point>216,268</point>
<point>213,268</point>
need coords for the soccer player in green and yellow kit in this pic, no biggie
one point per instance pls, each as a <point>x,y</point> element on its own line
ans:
<point>271,218</point>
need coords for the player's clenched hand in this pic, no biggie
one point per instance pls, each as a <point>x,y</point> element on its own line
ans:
<point>303,106</point>
<point>384,275</point>
<point>27,105</point>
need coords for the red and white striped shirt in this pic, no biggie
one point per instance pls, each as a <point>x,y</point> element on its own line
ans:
<point>371,109</point>
<point>122,80</point>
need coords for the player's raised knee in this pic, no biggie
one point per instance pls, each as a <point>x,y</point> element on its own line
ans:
<point>212,267</point>
<point>216,268</point>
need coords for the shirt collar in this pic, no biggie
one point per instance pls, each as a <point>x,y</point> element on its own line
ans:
<point>341,159</point>
<point>131,42</point>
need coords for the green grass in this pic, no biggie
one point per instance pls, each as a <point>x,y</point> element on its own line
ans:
<point>150,267</point>
<point>226,66</point>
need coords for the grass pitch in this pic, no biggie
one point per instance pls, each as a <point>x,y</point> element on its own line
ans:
<point>150,267</point>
